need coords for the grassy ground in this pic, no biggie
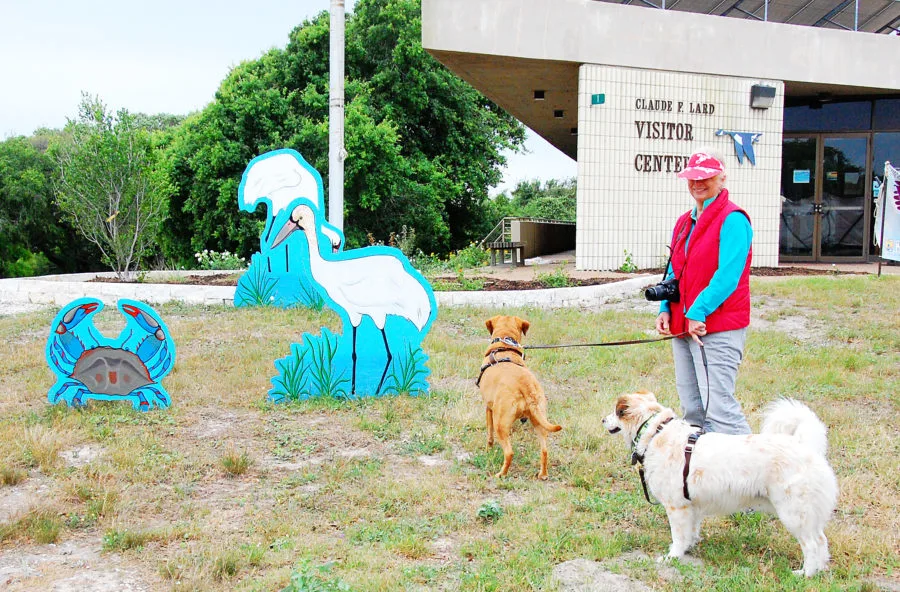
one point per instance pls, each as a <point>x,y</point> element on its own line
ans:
<point>226,492</point>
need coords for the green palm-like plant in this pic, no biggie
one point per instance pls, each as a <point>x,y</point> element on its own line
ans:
<point>407,373</point>
<point>290,383</point>
<point>325,381</point>
<point>256,288</point>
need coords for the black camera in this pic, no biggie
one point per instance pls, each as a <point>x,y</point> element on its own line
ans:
<point>667,290</point>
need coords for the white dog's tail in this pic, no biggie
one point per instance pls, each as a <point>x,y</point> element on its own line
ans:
<point>787,416</point>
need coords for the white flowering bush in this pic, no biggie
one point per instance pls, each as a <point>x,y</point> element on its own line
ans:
<point>207,259</point>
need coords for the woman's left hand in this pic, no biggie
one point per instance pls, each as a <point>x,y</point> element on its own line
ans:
<point>696,330</point>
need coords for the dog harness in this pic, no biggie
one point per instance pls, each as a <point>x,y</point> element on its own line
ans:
<point>638,459</point>
<point>688,450</point>
<point>493,360</point>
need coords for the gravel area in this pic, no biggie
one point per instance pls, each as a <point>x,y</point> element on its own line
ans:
<point>12,308</point>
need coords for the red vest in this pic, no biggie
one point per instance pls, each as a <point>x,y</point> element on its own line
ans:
<point>695,268</point>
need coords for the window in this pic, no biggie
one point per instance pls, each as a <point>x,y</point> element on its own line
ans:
<point>829,117</point>
<point>887,114</point>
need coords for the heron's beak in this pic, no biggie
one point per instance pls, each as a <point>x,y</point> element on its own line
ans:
<point>286,230</point>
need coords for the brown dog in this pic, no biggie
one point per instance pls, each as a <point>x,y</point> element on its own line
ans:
<point>510,391</point>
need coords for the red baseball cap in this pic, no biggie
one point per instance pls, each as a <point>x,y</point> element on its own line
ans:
<point>701,166</point>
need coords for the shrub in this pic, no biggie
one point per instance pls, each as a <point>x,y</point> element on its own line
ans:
<point>305,579</point>
<point>628,266</point>
<point>490,511</point>
<point>235,464</point>
<point>471,256</point>
<point>225,260</point>
<point>555,279</point>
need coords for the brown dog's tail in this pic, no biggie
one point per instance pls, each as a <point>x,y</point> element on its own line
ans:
<point>537,418</point>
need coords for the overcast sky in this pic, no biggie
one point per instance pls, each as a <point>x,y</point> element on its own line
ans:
<point>164,56</point>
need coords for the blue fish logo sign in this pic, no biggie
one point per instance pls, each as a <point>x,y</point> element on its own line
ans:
<point>743,144</point>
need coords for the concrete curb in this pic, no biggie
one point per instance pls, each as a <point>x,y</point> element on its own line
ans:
<point>60,290</point>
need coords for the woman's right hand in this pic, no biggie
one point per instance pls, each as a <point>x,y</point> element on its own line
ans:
<point>662,323</point>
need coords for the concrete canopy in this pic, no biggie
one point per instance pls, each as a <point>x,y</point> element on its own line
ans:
<point>509,49</point>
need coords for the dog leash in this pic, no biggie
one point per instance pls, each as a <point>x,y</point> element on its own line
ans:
<point>692,439</point>
<point>607,343</point>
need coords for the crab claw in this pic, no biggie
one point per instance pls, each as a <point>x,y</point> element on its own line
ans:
<point>145,321</point>
<point>75,316</point>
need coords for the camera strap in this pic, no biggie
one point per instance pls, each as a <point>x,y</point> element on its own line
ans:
<point>675,238</point>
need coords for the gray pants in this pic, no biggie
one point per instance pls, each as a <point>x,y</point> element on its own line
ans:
<point>724,352</point>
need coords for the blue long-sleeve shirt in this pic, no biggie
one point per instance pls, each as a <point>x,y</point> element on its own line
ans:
<point>734,245</point>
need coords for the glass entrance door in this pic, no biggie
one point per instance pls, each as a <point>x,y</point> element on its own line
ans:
<point>799,177</point>
<point>824,183</point>
<point>843,198</point>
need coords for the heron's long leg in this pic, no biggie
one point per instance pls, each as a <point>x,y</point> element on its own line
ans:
<point>387,364</point>
<point>353,379</point>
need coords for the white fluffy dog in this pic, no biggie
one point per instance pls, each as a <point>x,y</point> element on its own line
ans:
<point>781,470</point>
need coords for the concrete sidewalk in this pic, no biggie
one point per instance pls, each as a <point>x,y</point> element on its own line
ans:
<point>22,294</point>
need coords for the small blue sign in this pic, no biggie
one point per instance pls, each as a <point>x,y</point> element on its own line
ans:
<point>598,99</point>
<point>801,175</point>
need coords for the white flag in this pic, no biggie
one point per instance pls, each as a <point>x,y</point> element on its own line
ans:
<point>887,214</point>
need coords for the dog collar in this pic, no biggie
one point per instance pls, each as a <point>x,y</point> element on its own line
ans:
<point>640,432</point>
<point>637,457</point>
<point>508,341</point>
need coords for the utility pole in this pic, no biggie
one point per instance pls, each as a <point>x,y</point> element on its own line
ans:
<point>336,152</point>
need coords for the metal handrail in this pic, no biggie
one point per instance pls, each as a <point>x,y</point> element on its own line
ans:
<point>505,230</point>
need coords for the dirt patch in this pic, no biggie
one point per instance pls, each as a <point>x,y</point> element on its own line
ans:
<point>81,455</point>
<point>73,565</point>
<point>16,500</point>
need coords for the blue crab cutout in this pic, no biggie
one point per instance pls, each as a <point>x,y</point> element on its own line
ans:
<point>90,366</point>
<point>385,305</point>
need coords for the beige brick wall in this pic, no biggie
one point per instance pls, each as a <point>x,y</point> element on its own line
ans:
<point>622,207</point>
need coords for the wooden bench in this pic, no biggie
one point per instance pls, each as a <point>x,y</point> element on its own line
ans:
<point>516,252</point>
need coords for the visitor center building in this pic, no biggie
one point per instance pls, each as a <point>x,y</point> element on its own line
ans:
<point>801,97</point>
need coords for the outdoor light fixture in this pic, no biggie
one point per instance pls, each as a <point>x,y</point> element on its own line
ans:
<point>762,96</point>
<point>538,95</point>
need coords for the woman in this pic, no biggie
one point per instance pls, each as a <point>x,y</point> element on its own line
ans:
<point>711,253</point>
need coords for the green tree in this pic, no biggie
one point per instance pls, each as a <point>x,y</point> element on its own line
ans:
<point>32,240</point>
<point>554,199</point>
<point>110,185</point>
<point>423,146</point>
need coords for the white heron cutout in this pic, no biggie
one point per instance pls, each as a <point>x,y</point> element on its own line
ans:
<point>373,285</point>
<point>281,177</point>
